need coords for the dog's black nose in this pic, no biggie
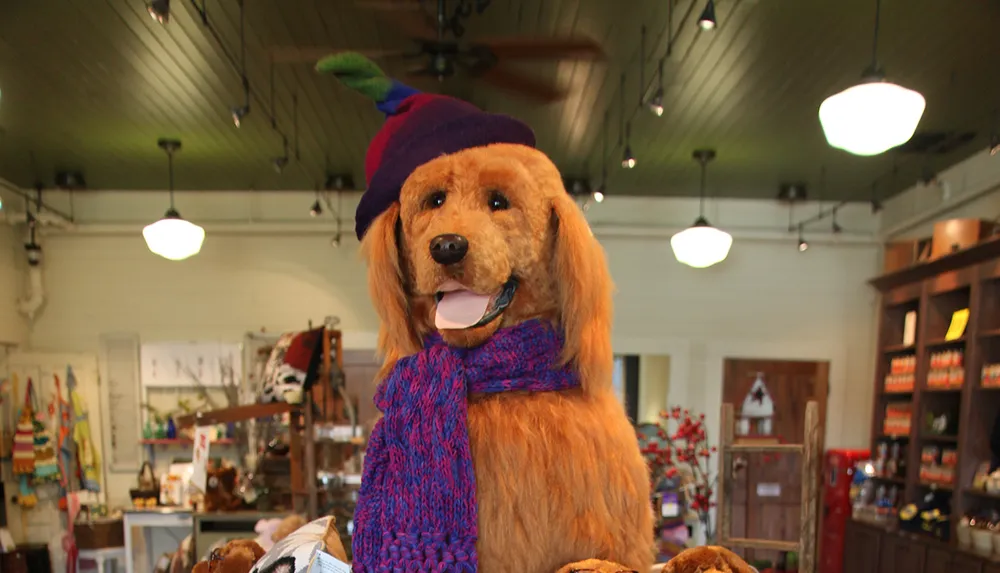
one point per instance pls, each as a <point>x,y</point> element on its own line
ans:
<point>449,249</point>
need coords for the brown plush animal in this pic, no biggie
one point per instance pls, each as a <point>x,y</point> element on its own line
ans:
<point>559,475</point>
<point>708,559</point>
<point>237,556</point>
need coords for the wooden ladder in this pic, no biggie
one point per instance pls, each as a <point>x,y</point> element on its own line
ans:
<point>809,450</point>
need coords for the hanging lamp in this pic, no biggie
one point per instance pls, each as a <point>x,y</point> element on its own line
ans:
<point>701,245</point>
<point>874,116</point>
<point>173,237</point>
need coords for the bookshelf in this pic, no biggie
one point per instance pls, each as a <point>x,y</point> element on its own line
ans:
<point>929,382</point>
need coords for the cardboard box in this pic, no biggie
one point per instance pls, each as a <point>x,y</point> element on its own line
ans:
<point>903,254</point>
<point>958,234</point>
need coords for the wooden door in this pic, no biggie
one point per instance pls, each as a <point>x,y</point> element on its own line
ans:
<point>767,492</point>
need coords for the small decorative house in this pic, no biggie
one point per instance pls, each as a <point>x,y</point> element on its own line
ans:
<point>757,413</point>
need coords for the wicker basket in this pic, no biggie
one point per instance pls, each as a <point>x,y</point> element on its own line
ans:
<point>99,533</point>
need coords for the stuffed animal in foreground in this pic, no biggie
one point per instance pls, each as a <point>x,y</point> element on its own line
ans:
<point>501,446</point>
<point>236,556</point>
<point>708,559</point>
<point>292,551</point>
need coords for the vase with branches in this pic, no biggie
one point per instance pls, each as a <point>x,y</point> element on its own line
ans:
<point>678,452</point>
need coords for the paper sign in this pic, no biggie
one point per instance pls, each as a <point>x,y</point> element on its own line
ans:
<point>199,459</point>
<point>959,320</point>
<point>769,490</point>
<point>323,562</point>
<point>910,328</point>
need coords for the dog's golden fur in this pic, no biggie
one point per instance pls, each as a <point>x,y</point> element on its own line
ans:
<point>559,475</point>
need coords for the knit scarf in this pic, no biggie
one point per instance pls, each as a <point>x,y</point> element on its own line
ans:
<point>417,507</point>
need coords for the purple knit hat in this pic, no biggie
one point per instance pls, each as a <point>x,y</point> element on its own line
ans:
<point>419,127</point>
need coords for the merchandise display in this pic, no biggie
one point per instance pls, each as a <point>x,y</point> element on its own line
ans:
<point>931,484</point>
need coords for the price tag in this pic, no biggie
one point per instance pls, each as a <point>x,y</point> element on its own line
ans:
<point>199,459</point>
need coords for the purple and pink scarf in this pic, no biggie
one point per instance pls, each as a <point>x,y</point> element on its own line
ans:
<point>417,506</point>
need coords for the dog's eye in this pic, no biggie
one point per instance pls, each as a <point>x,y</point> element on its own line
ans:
<point>498,202</point>
<point>435,200</point>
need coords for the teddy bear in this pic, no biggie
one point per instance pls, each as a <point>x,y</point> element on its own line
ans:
<point>236,556</point>
<point>708,559</point>
<point>293,536</point>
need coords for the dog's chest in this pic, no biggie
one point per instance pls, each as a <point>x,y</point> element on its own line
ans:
<point>545,491</point>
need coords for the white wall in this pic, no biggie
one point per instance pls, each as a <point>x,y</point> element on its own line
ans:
<point>12,325</point>
<point>654,386</point>
<point>968,189</point>
<point>265,264</point>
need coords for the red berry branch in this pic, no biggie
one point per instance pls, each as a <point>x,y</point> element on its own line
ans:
<point>677,443</point>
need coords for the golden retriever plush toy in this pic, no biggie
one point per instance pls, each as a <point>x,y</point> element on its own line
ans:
<point>501,446</point>
<point>708,559</point>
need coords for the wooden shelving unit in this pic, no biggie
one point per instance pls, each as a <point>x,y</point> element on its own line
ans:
<point>936,290</point>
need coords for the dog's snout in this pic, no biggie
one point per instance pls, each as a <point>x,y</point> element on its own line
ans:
<point>449,249</point>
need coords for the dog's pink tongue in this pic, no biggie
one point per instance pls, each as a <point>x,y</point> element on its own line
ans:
<point>460,309</point>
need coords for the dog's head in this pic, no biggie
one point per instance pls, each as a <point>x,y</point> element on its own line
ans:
<point>484,238</point>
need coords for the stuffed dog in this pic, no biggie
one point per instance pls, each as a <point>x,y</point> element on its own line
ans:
<point>708,559</point>
<point>501,446</point>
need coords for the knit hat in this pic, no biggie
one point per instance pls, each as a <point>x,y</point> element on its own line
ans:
<point>419,127</point>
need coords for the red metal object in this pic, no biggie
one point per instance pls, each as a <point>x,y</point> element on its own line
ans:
<point>838,471</point>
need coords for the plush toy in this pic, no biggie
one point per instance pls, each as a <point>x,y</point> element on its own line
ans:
<point>294,552</point>
<point>501,445</point>
<point>236,556</point>
<point>708,559</point>
<point>288,525</point>
<point>220,494</point>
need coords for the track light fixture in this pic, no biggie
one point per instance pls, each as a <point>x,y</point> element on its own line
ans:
<point>707,19</point>
<point>339,182</point>
<point>598,194</point>
<point>240,113</point>
<point>159,10</point>
<point>279,163</point>
<point>995,137</point>
<point>628,159</point>
<point>834,225</point>
<point>624,130</point>
<point>803,245</point>
<point>317,209</point>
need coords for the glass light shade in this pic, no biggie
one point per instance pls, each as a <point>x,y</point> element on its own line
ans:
<point>701,245</point>
<point>173,237</point>
<point>871,117</point>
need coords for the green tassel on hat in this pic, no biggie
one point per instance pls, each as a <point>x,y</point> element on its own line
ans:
<point>358,73</point>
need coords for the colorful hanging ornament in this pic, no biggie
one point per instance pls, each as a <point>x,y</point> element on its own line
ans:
<point>86,453</point>
<point>46,464</point>
<point>24,441</point>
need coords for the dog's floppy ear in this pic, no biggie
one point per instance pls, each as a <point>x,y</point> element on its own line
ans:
<point>584,289</point>
<point>396,336</point>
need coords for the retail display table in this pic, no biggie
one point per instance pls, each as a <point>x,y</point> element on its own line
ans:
<point>149,534</point>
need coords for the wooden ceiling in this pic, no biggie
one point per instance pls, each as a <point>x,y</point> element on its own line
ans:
<point>90,85</point>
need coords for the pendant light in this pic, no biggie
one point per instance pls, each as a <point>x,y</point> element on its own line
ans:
<point>701,245</point>
<point>873,116</point>
<point>172,237</point>
<point>707,19</point>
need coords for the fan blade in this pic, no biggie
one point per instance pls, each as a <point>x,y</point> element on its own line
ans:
<point>417,24</point>
<point>523,48</point>
<point>312,54</point>
<point>507,79</point>
<point>390,5</point>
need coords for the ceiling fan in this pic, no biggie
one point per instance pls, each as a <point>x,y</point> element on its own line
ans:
<point>441,54</point>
